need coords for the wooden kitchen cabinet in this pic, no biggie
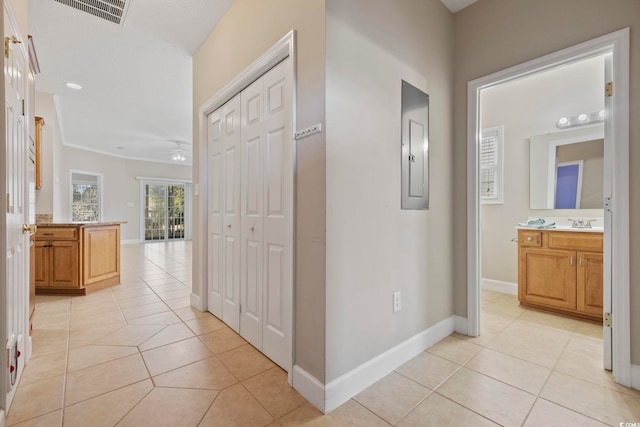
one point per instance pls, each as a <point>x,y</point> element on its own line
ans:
<point>561,271</point>
<point>76,259</point>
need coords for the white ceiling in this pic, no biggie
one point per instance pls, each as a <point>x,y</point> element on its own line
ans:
<point>137,81</point>
<point>136,100</point>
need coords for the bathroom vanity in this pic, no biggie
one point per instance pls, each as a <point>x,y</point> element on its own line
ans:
<point>560,270</point>
<point>76,258</point>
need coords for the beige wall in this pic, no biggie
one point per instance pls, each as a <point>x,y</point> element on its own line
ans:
<point>120,188</point>
<point>21,12</point>
<point>373,247</point>
<point>492,35</point>
<point>46,109</point>
<point>249,29</point>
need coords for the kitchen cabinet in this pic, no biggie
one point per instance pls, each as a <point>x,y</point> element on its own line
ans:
<point>561,272</point>
<point>76,259</point>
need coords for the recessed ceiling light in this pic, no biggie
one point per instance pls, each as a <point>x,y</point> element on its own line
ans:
<point>71,85</point>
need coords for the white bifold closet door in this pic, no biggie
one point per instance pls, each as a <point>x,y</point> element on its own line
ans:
<point>264,200</point>
<point>224,213</point>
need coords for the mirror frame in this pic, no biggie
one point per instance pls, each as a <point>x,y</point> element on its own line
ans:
<point>546,155</point>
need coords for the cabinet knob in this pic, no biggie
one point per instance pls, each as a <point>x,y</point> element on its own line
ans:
<point>529,239</point>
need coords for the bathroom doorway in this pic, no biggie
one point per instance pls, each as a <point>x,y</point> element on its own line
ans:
<point>607,49</point>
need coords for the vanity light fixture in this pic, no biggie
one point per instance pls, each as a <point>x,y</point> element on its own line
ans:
<point>580,119</point>
<point>74,86</point>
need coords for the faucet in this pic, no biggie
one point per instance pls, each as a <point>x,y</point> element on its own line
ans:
<point>580,223</point>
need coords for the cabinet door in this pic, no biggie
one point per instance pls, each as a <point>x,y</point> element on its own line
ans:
<point>590,278</point>
<point>64,264</point>
<point>548,277</point>
<point>101,253</point>
<point>42,263</point>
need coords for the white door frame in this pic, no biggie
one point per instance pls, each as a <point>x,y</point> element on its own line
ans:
<point>616,43</point>
<point>283,49</point>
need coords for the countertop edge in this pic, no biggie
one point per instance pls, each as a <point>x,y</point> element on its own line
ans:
<point>80,224</point>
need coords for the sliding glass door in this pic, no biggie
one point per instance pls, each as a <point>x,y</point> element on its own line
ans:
<point>164,207</point>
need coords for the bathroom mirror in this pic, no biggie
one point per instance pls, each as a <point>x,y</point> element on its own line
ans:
<point>566,169</point>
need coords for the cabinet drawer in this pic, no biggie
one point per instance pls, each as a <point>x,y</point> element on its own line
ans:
<point>576,241</point>
<point>530,238</point>
<point>57,233</point>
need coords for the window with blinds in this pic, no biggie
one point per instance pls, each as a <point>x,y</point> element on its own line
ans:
<point>491,168</point>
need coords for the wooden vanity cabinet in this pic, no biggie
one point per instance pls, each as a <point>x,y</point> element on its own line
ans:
<point>76,259</point>
<point>561,271</point>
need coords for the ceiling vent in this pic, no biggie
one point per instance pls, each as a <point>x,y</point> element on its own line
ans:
<point>110,10</point>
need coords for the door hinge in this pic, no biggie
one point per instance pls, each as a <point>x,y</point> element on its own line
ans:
<point>608,204</point>
<point>8,40</point>
<point>608,89</point>
<point>23,107</point>
<point>608,320</point>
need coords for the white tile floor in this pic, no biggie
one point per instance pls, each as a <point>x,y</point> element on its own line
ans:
<point>137,355</point>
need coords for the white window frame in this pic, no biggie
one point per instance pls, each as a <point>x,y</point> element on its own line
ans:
<point>99,177</point>
<point>497,133</point>
<point>188,204</point>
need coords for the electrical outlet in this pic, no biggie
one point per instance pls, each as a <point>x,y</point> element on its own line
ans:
<point>397,301</point>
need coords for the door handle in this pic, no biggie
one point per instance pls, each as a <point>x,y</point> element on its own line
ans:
<point>29,228</point>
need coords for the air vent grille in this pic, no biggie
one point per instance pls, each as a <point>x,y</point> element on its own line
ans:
<point>110,10</point>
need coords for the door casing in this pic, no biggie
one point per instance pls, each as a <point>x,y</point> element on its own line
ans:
<point>616,269</point>
<point>283,49</point>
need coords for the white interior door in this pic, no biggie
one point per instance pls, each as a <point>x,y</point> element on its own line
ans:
<point>17,241</point>
<point>224,212</point>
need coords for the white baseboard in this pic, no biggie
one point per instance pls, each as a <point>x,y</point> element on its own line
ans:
<point>635,376</point>
<point>353,382</point>
<point>309,386</point>
<point>499,286</point>
<point>2,418</point>
<point>461,325</point>
<point>196,302</point>
<point>130,241</point>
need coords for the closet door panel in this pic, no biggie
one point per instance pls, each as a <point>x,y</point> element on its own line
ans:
<point>232,218</point>
<point>278,220</point>
<point>215,188</point>
<point>252,214</point>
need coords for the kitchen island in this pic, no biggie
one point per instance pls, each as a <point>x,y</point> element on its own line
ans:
<point>76,258</point>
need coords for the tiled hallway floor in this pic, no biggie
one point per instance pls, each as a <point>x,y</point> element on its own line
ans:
<point>137,355</point>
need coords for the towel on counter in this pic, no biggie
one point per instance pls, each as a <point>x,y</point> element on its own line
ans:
<point>537,223</point>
